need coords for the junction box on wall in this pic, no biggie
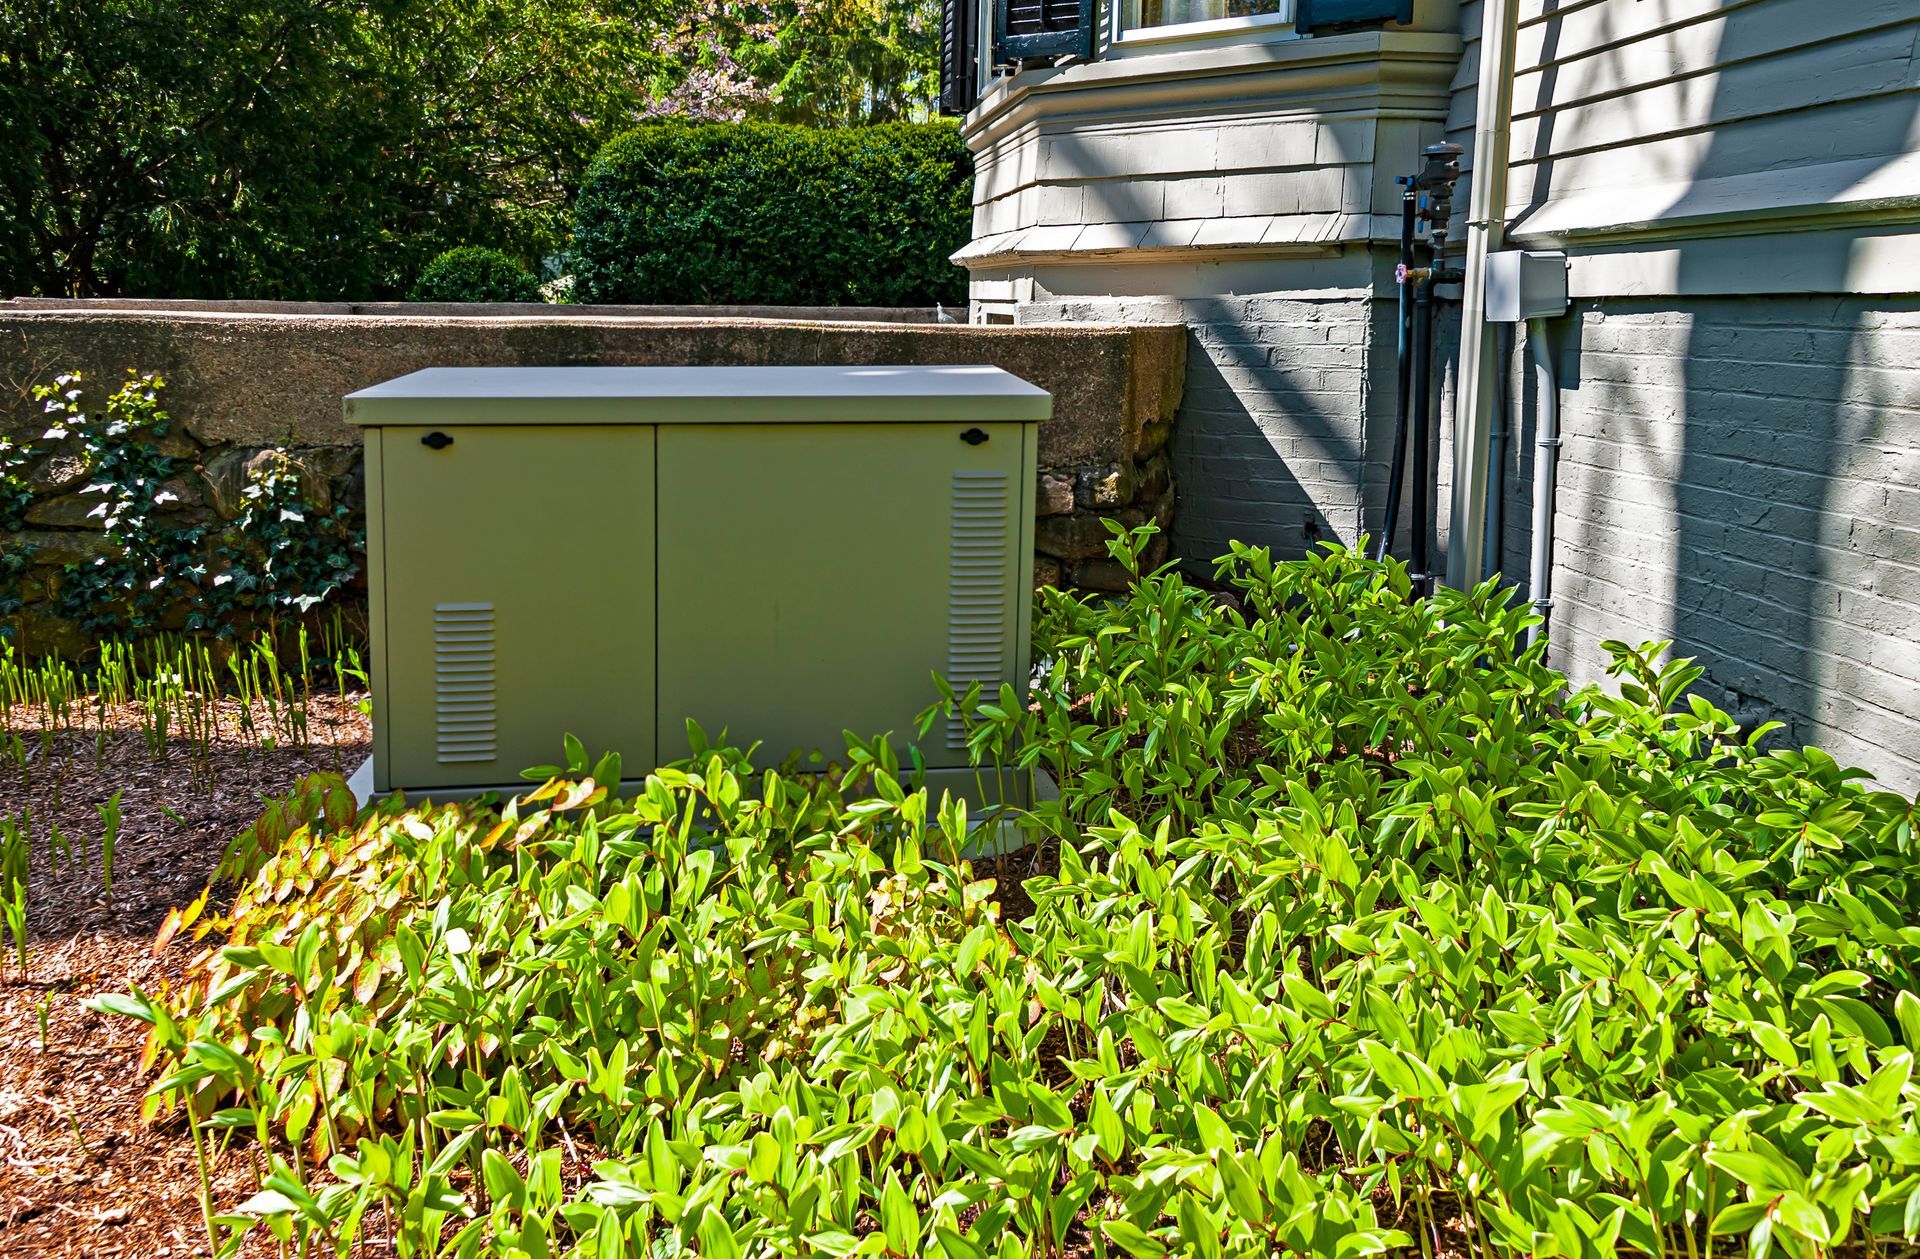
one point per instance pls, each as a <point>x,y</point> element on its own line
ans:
<point>1525,284</point>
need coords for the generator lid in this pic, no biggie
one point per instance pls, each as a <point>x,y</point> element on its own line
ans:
<point>698,395</point>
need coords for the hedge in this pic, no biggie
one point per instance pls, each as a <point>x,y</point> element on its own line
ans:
<point>473,273</point>
<point>762,213</point>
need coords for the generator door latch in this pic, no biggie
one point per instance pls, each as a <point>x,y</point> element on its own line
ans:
<point>436,440</point>
<point>974,436</point>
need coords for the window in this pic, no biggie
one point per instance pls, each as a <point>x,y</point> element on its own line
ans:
<point>1154,20</point>
<point>1144,13</point>
<point>983,39</point>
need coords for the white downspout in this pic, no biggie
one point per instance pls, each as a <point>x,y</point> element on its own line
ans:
<point>1486,232</point>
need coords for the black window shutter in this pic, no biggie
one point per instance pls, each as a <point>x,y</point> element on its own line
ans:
<point>959,55</point>
<point>1043,28</point>
<point>1324,17</point>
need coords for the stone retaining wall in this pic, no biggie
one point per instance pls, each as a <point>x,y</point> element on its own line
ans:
<point>239,384</point>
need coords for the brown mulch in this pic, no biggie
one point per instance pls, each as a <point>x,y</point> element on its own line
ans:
<point>80,1173</point>
<point>1011,870</point>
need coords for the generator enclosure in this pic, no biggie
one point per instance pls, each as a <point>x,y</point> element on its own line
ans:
<point>779,553</point>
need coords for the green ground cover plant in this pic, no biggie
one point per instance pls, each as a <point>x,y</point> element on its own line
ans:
<point>1352,931</point>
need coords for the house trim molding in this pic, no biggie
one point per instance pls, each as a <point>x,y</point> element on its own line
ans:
<point>1386,68</point>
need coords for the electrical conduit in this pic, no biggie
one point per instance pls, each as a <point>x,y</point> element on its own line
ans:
<point>1546,451</point>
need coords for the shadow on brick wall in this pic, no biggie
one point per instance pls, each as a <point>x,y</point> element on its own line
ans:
<point>1782,454</point>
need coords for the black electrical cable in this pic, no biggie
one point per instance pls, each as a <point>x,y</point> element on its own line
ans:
<point>1398,471</point>
<point>1422,429</point>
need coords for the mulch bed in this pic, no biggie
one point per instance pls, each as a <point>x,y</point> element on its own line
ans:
<point>80,1172</point>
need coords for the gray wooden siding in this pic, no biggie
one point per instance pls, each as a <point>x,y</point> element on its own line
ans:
<point>1634,116</point>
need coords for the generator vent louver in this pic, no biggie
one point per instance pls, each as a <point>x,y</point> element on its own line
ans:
<point>978,618</point>
<point>463,683</point>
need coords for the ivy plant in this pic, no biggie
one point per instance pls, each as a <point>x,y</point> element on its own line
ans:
<point>16,453</point>
<point>278,554</point>
<point>155,561</point>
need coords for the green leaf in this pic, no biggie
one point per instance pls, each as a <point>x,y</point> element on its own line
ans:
<point>899,1219</point>
<point>955,1246</point>
<point>1906,1009</point>
<point>1307,999</point>
<point>763,1159</point>
<point>1762,1173</point>
<point>1132,1239</point>
<point>504,1185</point>
<point>1106,1124</point>
<point>1215,1137</point>
<point>716,1238</point>
<point>268,1202</point>
<point>1391,1068</point>
<point>1243,1191</point>
<point>1803,1217</point>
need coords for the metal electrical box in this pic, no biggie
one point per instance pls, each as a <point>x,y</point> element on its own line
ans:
<point>784,553</point>
<point>1525,284</point>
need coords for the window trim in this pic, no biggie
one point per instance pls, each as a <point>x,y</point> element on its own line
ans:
<point>1123,37</point>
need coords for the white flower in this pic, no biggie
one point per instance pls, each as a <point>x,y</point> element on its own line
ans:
<point>291,515</point>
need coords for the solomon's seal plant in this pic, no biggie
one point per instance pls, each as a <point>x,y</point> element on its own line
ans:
<point>1351,932</point>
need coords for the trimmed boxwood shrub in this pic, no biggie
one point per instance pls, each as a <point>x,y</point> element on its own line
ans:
<point>473,273</point>
<point>762,213</point>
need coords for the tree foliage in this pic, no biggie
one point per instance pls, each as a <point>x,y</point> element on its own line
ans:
<point>328,149</point>
<point>834,62</point>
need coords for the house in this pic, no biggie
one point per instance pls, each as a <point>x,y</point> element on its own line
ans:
<point>1735,185</point>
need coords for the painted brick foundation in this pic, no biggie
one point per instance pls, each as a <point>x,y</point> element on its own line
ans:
<point>1742,476</point>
